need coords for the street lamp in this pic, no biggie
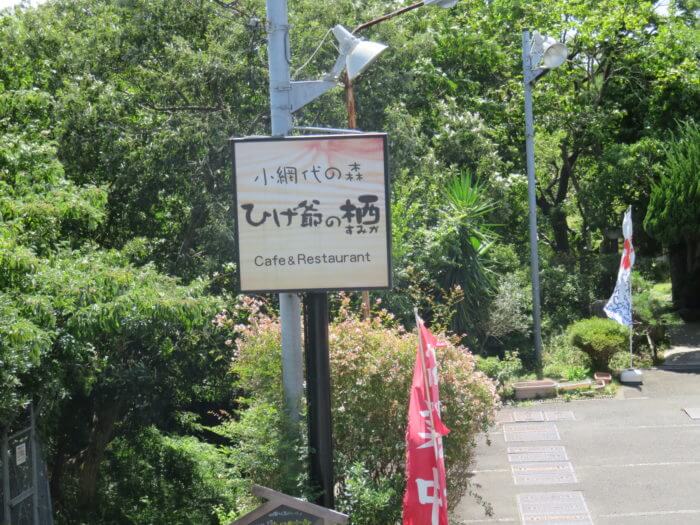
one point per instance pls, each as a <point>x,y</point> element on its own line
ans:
<point>286,97</point>
<point>356,53</point>
<point>539,56</point>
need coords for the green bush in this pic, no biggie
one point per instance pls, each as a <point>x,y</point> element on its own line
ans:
<point>576,373</point>
<point>653,314</point>
<point>621,360</point>
<point>562,360</point>
<point>599,338</point>
<point>265,447</point>
<point>372,367</point>
<point>501,370</point>
<point>150,477</point>
<point>365,499</point>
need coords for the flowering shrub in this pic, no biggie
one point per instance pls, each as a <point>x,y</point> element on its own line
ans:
<point>371,370</point>
<point>264,447</point>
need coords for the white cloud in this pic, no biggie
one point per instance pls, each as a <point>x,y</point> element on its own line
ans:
<point>661,7</point>
<point>9,3</point>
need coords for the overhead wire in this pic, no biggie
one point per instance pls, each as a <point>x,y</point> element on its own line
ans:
<point>318,48</point>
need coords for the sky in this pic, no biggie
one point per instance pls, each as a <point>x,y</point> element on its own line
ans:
<point>661,5</point>
<point>9,3</point>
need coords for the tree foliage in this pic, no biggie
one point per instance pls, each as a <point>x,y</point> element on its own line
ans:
<point>100,344</point>
<point>116,226</point>
<point>673,215</point>
<point>599,338</point>
<point>674,209</point>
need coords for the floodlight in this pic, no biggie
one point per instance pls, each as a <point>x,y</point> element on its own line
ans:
<point>554,55</point>
<point>536,48</point>
<point>547,51</point>
<point>441,3</point>
<point>358,53</point>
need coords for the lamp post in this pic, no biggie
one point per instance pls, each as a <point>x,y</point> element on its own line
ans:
<point>281,123</point>
<point>539,56</point>
<point>350,93</point>
<point>286,97</point>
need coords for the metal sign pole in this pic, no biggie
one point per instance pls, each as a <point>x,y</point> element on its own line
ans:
<point>631,323</point>
<point>318,369</point>
<point>318,385</point>
<point>631,306</point>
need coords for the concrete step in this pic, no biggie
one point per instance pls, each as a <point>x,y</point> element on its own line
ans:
<point>680,367</point>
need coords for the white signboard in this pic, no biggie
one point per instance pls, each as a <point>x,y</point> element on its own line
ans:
<point>312,213</point>
<point>20,454</point>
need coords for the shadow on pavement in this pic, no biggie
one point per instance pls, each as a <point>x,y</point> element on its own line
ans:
<point>687,334</point>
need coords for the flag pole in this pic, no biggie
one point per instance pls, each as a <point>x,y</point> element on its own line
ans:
<point>631,326</point>
<point>631,309</point>
<point>619,306</point>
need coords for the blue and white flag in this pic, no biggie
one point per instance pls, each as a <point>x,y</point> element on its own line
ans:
<point>619,306</point>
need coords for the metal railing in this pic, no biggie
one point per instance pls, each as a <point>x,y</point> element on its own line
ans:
<point>24,491</point>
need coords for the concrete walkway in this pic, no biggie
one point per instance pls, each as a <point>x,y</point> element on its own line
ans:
<point>685,347</point>
<point>632,459</point>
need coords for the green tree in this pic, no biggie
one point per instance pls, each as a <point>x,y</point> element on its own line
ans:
<point>146,95</point>
<point>673,215</point>
<point>103,346</point>
<point>114,171</point>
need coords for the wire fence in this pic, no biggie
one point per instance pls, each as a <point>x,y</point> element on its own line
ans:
<point>24,491</point>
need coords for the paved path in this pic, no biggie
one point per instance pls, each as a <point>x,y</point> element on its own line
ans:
<point>632,459</point>
<point>685,347</point>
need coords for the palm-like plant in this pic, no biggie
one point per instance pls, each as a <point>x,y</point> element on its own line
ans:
<point>457,247</point>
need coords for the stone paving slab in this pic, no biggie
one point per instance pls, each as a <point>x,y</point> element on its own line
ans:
<point>693,413</point>
<point>530,432</point>
<point>570,519</point>
<point>534,454</point>
<point>636,460</point>
<point>553,508</point>
<point>543,473</point>
<point>560,415</point>
<point>504,417</point>
<point>524,416</point>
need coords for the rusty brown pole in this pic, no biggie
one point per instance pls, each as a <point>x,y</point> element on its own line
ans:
<point>352,113</point>
<point>387,17</point>
<point>352,124</point>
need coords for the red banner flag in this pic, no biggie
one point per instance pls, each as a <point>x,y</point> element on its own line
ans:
<point>425,500</point>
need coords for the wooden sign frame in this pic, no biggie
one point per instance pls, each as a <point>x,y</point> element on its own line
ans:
<point>276,500</point>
